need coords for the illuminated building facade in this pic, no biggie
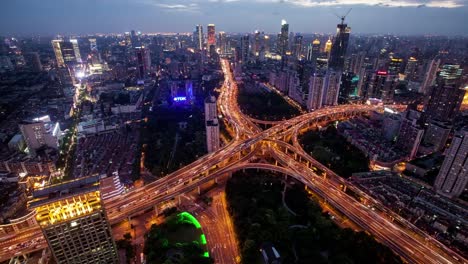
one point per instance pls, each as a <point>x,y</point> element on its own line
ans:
<point>74,223</point>
<point>411,133</point>
<point>328,47</point>
<point>323,90</point>
<point>339,47</point>
<point>444,102</point>
<point>211,124</point>
<point>211,36</point>
<point>40,132</point>
<point>66,52</point>
<point>380,85</point>
<point>297,46</point>
<point>283,38</point>
<point>245,48</point>
<point>453,175</point>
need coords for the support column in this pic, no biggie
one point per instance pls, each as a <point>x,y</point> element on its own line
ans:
<point>178,198</point>
<point>198,190</point>
<point>155,208</point>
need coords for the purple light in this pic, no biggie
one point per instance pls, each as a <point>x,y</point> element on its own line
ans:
<point>180,98</point>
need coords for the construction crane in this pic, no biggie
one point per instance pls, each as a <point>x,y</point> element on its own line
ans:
<point>343,16</point>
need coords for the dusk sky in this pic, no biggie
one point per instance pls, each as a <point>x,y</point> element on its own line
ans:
<point>448,17</point>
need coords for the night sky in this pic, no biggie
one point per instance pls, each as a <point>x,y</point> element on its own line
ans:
<point>447,17</point>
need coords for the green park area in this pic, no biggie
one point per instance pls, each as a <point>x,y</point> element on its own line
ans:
<point>179,240</point>
<point>265,105</point>
<point>332,150</point>
<point>296,225</point>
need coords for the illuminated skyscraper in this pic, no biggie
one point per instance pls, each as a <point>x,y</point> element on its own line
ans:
<point>222,43</point>
<point>444,102</point>
<point>93,44</point>
<point>323,90</point>
<point>339,47</point>
<point>211,124</point>
<point>411,133</point>
<point>378,84</point>
<point>211,36</point>
<point>66,52</point>
<point>411,69</point>
<point>198,37</point>
<point>74,223</point>
<point>328,47</point>
<point>453,175</point>
<point>283,38</point>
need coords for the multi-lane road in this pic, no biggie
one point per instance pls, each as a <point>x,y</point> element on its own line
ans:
<point>248,141</point>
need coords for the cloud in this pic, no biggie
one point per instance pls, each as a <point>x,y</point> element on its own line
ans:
<point>174,6</point>
<point>386,3</point>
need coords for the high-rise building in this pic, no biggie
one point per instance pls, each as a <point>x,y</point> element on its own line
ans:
<point>430,76</point>
<point>297,47</point>
<point>211,36</point>
<point>323,90</point>
<point>435,137</point>
<point>74,223</point>
<point>411,133</point>
<point>453,175</point>
<point>66,52</point>
<point>245,48</point>
<point>283,38</point>
<point>391,125</point>
<point>444,102</point>
<point>222,43</point>
<point>411,69</point>
<point>395,65</point>
<point>328,47</point>
<point>40,132</point>
<point>143,61</point>
<point>198,37</point>
<point>33,61</point>
<point>339,47</point>
<point>313,50</point>
<point>451,73</point>
<point>211,124</point>
<point>93,44</point>
<point>381,86</point>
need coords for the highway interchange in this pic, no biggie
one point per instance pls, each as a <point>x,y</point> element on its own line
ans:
<point>250,142</point>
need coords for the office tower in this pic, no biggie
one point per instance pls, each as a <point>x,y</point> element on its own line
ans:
<point>256,43</point>
<point>211,124</point>
<point>245,48</point>
<point>143,61</point>
<point>323,90</point>
<point>411,69</point>
<point>283,38</point>
<point>211,36</point>
<point>73,221</point>
<point>328,47</point>
<point>410,134</point>
<point>451,73</point>
<point>198,37</point>
<point>381,85</point>
<point>128,39</point>
<point>314,100</point>
<point>297,47</point>
<point>222,43</point>
<point>33,61</point>
<point>444,102</point>
<point>430,76</point>
<point>395,65</point>
<point>436,136</point>
<point>453,175</point>
<point>66,52</point>
<point>40,132</point>
<point>339,47</point>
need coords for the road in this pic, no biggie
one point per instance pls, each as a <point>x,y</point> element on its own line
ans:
<point>249,143</point>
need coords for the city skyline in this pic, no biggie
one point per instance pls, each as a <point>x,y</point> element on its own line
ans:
<point>407,17</point>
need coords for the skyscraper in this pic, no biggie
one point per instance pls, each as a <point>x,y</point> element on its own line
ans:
<point>297,47</point>
<point>40,132</point>
<point>222,43</point>
<point>245,48</point>
<point>339,47</point>
<point>328,47</point>
<point>74,223</point>
<point>211,124</point>
<point>410,134</point>
<point>143,61</point>
<point>381,85</point>
<point>198,37</point>
<point>283,38</point>
<point>323,90</point>
<point>211,36</point>
<point>453,175</point>
<point>444,102</point>
<point>33,61</point>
